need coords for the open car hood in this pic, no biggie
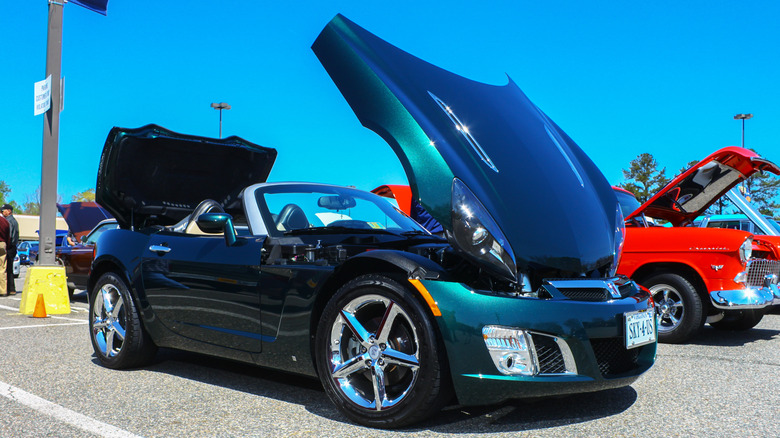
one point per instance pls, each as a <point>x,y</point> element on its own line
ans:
<point>82,217</point>
<point>688,195</point>
<point>151,175</point>
<point>552,203</point>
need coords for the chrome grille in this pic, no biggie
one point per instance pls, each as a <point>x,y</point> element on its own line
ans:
<point>549,355</point>
<point>589,290</point>
<point>758,269</point>
<point>586,294</point>
<point>613,357</point>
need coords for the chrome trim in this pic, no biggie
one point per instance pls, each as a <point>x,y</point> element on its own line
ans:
<point>568,357</point>
<point>757,270</point>
<point>610,284</point>
<point>748,298</point>
<point>159,249</point>
<point>465,132</point>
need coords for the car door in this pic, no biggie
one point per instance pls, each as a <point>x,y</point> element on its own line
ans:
<point>204,290</point>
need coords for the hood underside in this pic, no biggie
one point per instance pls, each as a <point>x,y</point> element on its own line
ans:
<point>688,195</point>
<point>82,217</point>
<point>151,175</point>
<point>549,199</point>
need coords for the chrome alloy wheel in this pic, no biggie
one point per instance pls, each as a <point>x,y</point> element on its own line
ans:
<point>374,352</point>
<point>108,320</point>
<point>669,307</point>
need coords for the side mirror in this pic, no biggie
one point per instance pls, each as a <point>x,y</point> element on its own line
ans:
<point>218,223</point>
<point>83,240</point>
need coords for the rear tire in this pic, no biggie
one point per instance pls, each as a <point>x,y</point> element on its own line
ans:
<point>680,310</point>
<point>739,319</point>
<point>378,354</point>
<point>117,334</point>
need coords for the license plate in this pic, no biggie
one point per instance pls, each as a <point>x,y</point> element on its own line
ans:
<point>640,328</point>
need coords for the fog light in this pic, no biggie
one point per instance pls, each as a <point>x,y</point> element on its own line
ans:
<point>512,350</point>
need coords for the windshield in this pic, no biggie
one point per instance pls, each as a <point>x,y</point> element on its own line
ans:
<point>298,209</point>
<point>100,229</point>
<point>627,201</point>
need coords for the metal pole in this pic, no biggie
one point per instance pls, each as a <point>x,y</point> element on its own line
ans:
<point>743,133</point>
<point>51,134</point>
<point>220,124</point>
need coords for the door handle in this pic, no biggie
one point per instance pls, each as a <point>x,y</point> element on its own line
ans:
<point>159,249</point>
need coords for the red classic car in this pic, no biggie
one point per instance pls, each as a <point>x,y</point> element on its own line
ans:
<point>723,277</point>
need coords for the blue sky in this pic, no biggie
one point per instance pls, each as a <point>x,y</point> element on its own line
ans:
<point>620,77</point>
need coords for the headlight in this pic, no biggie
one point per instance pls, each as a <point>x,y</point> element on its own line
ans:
<point>477,234</point>
<point>620,238</point>
<point>746,250</point>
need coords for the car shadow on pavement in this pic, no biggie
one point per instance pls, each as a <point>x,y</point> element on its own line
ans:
<point>307,391</point>
<point>532,414</point>
<point>710,336</point>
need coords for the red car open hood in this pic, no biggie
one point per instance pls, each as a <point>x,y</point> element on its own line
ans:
<point>688,195</point>
<point>82,217</point>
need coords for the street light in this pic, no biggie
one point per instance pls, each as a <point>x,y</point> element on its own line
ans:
<point>220,106</point>
<point>743,117</point>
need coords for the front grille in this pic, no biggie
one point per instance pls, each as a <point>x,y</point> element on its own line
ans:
<point>613,357</point>
<point>549,355</point>
<point>588,290</point>
<point>587,294</point>
<point>758,269</point>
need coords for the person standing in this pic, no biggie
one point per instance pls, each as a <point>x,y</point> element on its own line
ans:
<point>8,214</point>
<point>5,238</point>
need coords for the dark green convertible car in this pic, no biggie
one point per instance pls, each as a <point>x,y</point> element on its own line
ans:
<point>518,299</point>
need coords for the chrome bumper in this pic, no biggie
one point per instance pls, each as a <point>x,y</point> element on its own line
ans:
<point>748,298</point>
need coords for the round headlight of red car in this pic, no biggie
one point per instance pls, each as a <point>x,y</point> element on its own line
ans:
<point>746,250</point>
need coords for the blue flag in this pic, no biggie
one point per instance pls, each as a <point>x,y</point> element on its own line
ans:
<point>98,6</point>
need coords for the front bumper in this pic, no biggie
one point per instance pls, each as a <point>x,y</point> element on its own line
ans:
<point>592,331</point>
<point>748,298</point>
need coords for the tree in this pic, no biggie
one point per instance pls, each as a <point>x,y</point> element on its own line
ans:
<point>32,203</point>
<point>85,196</point>
<point>643,177</point>
<point>5,190</point>
<point>762,189</point>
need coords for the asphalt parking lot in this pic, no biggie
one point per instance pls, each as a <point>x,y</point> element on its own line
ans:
<point>721,384</point>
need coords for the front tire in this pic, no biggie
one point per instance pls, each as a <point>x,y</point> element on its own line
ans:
<point>739,319</point>
<point>378,355</point>
<point>680,310</point>
<point>117,334</point>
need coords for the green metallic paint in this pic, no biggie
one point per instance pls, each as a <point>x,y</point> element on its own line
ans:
<point>218,223</point>
<point>381,111</point>
<point>475,377</point>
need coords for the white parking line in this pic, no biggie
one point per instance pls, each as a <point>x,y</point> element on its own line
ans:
<point>51,316</point>
<point>43,325</point>
<point>61,413</point>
